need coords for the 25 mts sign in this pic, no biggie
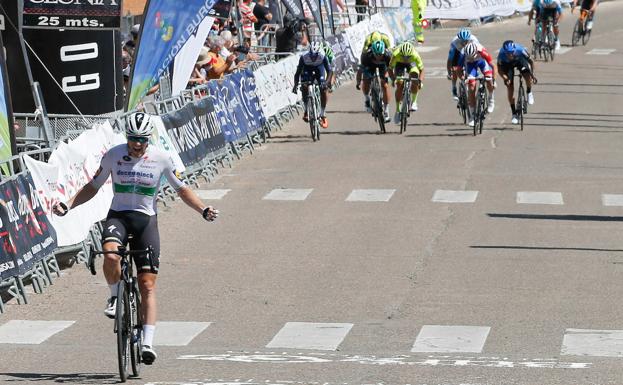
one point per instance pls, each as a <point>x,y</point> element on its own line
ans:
<point>72,14</point>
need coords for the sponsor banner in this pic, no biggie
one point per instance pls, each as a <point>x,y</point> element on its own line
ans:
<point>217,92</point>
<point>221,9</point>
<point>378,23</point>
<point>7,134</point>
<point>190,140</point>
<point>161,139</point>
<point>356,36</point>
<point>400,22</point>
<point>65,14</point>
<point>274,83</point>
<point>70,167</point>
<point>26,235</point>
<point>244,82</point>
<point>314,8</point>
<point>474,9</point>
<point>295,8</point>
<point>350,59</point>
<point>328,5</point>
<point>187,57</point>
<point>207,119</point>
<point>339,63</point>
<point>167,25</point>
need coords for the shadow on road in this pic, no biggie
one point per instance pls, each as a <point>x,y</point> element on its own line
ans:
<point>584,92</point>
<point>574,119</point>
<point>67,378</point>
<point>579,84</point>
<point>289,139</point>
<point>543,248</point>
<point>357,133</point>
<point>346,112</point>
<point>564,217</point>
<point>572,113</point>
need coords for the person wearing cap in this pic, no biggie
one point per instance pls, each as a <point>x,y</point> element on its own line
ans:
<point>199,75</point>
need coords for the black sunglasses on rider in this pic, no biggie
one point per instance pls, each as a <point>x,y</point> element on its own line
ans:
<point>138,139</point>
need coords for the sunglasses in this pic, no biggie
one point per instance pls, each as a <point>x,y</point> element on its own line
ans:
<point>138,139</point>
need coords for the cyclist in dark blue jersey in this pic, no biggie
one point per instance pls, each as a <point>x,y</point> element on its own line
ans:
<point>513,55</point>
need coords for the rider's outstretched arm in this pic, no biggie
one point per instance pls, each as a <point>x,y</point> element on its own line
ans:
<point>189,197</point>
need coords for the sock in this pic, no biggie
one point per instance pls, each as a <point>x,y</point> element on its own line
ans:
<point>513,109</point>
<point>529,89</point>
<point>148,334</point>
<point>398,107</point>
<point>321,111</point>
<point>414,96</point>
<point>367,98</point>
<point>471,113</point>
<point>454,84</point>
<point>113,289</point>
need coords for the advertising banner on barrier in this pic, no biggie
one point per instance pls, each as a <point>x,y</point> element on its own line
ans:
<point>7,134</point>
<point>378,23</point>
<point>167,25</point>
<point>244,83</point>
<point>70,167</point>
<point>295,8</point>
<point>161,139</point>
<point>26,235</point>
<point>207,119</point>
<point>350,59</point>
<point>314,8</point>
<point>274,83</point>
<point>229,123</point>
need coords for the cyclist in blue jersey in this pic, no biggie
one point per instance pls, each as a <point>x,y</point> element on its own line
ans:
<point>542,10</point>
<point>455,56</point>
<point>513,55</point>
<point>314,65</point>
<point>136,169</point>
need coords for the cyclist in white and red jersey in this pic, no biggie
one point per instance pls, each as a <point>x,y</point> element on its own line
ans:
<point>136,169</point>
<point>476,58</point>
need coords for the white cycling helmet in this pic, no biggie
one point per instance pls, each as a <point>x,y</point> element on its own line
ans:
<point>139,124</point>
<point>471,50</point>
<point>315,47</point>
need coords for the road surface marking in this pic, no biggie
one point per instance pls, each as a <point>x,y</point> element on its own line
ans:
<point>597,343</point>
<point>30,332</point>
<point>288,194</point>
<point>612,199</point>
<point>451,339</point>
<point>310,335</point>
<point>212,194</point>
<point>600,51</point>
<point>539,198</point>
<point>177,333</point>
<point>563,50</point>
<point>422,49</point>
<point>450,196</point>
<point>370,195</point>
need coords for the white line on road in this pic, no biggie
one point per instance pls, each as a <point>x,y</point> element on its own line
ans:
<point>600,51</point>
<point>370,195</point>
<point>310,335</point>
<point>422,49</point>
<point>450,196</point>
<point>612,199</point>
<point>563,50</point>
<point>30,332</point>
<point>177,333</point>
<point>539,198</point>
<point>212,194</point>
<point>451,339</point>
<point>288,194</point>
<point>597,343</point>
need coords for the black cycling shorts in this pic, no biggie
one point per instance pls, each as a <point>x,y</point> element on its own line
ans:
<point>588,4</point>
<point>144,230</point>
<point>508,69</point>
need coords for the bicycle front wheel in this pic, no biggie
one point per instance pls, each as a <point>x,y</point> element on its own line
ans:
<point>577,33</point>
<point>552,45</point>
<point>123,328</point>
<point>586,36</point>
<point>137,330</point>
<point>312,115</point>
<point>521,106</point>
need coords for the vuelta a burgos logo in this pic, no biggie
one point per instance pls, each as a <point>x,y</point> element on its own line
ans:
<point>166,29</point>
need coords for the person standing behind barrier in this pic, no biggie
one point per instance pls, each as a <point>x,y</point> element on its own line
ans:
<point>247,18</point>
<point>263,15</point>
<point>292,34</point>
<point>417,7</point>
<point>136,169</point>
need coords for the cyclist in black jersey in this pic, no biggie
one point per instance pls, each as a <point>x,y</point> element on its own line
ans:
<point>136,170</point>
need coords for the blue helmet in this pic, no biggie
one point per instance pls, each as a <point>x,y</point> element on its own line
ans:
<point>548,2</point>
<point>378,47</point>
<point>508,46</point>
<point>464,34</point>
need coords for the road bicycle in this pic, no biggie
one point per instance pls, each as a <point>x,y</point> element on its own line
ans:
<point>405,103</point>
<point>580,31</point>
<point>482,102</point>
<point>376,100</point>
<point>313,108</point>
<point>128,316</point>
<point>544,44</point>
<point>461,104</point>
<point>521,104</point>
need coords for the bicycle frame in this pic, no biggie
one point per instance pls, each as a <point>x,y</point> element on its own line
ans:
<point>376,91</point>
<point>405,103</point>
<point>313,107</point>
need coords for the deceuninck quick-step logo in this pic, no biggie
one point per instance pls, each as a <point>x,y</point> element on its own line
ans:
<point>166,29</point>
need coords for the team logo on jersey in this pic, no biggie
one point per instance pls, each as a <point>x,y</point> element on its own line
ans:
<point>127,158</point>
<point>177,174</point>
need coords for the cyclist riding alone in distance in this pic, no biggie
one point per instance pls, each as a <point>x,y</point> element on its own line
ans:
<point>405,59</point>
<point>136,169</point>
<point>314,65</point>
<point>513,55</point>
<point>455,56</point>
<point>378,56</point>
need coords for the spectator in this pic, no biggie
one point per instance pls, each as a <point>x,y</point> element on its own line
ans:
<point>130,45</point>
<point>293,33</point>
<point>242,54</point>
<point>247,18</point>
<point>361,7</point>
<point>263,15</point>
<point>220,65</point>
<point>200,72</point>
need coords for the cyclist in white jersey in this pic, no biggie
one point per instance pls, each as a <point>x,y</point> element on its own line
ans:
<point>136,170</point>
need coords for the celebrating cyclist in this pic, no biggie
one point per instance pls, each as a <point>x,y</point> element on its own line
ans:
<point>513,55</point>
<point>455,56</point>
<point>478,59</point>
<point>378,56</point>
<point>591,7</point>
<point>545,9</point>
<point>406,59</point>
<point>314,65</point>
<point>136,169</point>
<point>373,37</point>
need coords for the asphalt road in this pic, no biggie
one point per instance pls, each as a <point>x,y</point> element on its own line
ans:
<point>493,259</point>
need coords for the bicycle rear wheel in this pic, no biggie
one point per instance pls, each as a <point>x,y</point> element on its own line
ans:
<point>377,109</point>
<point>521,106</point>
<point>552,45</point>
<point>586,37</point>
<point>577,33</point>
<point>312,114</point>
<point>462,104</point>
<point>136,343</point>
<point>123,328</point>
<point>404,112</point>
<point>479,112</point>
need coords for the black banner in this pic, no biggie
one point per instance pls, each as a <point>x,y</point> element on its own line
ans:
<point>26,235</point>
<point>221,9</point>
<point>295,8</point>
<point>314,7</point>
<point>339,63</point>
<point>206,117</point>
<point>72,14</point>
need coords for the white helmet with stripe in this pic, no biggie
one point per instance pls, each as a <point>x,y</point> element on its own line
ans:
<point>139,124</point>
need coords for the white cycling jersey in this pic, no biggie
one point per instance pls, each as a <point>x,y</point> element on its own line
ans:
<point>459,44</point>
<point>136,180</point>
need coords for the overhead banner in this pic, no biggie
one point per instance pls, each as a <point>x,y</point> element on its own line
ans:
<point>167,25</point>
<point>7,134</point>
<point>79,14</point>
<point>187,57</point>
<point>26,235</point>
<point>295,8</point>
<point>221,9</point>
<point>70,167</point>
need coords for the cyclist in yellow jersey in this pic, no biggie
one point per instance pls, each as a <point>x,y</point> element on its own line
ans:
<point>376,36</point>
<point>417,7</point>
<point>405,58</point>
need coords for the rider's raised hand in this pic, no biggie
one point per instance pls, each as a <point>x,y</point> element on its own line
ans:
<point>210,213</point>
<point>60,209</point>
